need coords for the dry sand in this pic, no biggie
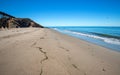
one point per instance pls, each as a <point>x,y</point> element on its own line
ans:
<point>35,51</point>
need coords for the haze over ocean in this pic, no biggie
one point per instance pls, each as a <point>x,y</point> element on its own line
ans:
<point>65,12</point>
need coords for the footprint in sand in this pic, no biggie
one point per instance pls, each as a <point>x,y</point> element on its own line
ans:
<point>42,38</point>
<point>75,66</point>
<point>103,70</point>
<point>64,49</point>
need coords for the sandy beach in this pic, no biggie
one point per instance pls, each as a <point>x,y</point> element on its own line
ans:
<point>42,51</point>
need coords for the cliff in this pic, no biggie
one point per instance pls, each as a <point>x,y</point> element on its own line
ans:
<point>12,22</point>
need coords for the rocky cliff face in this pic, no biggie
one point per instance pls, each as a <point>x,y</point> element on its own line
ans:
<point>18,22</point>
<point>9,21</point>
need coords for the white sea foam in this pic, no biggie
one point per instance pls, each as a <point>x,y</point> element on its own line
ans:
<point>105,39</point>
<point>56,29</point>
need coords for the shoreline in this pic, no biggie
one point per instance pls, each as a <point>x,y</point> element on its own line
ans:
<point>116,50</point>
<point>99,42</point>
<point>86,41</point>
<point>38,51</point>
<point>99,54</point>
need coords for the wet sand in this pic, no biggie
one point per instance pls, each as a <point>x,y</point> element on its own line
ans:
<point>42,51</point>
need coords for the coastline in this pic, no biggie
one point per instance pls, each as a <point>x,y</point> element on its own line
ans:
<point>45,51</point>
<point>94,35</point>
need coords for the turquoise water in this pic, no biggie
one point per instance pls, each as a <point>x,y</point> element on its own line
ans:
<point>108,37</point>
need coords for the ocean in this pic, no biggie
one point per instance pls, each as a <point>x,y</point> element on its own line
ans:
<point>108,37</point>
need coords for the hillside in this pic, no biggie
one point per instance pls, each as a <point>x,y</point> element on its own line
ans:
<point>13,22</point>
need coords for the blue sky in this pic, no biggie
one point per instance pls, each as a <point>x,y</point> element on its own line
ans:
<point>65,12</point>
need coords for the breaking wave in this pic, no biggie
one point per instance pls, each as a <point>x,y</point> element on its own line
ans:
<point>107,39</point>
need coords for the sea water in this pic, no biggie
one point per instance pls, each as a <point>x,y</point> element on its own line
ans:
<point>108,37</point>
